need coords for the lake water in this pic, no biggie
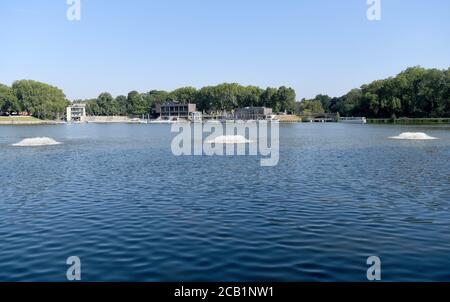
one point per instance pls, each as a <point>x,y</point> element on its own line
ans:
<point>115,196</point>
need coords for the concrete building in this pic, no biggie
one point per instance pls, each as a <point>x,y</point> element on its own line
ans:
<point>174,110</point>
<point>253,113</point>
<point>196,117</point>
<point>76,113</point>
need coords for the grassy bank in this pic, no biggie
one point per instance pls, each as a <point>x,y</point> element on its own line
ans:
<point>289,118</point>
<point>23,120</point>
<point>411,121</point>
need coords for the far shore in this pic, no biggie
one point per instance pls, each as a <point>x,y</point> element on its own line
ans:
<point>26,120</point>
<point>112,120</point>
<point>411,121</point>
<point>285,119</point>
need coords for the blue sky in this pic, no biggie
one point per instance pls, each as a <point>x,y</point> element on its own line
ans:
<point>315,46</point>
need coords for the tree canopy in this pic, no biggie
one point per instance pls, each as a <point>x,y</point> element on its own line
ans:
<point>307,107</point>
<point>416,93</point>
<point>8,100</point>
<point>38,99</point>
<point>209,99</point>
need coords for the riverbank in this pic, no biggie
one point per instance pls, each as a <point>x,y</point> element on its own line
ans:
<point>411,121</point>
<point>130,120</point>
<point>112,120</point>
<point>25,120</point>
<point>288,118</point>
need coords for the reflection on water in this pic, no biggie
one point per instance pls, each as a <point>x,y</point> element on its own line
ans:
<point>115,196</point>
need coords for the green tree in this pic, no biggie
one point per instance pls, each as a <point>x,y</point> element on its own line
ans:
<point>8,100</point>
<point>155,97</point>
<point>92,107</point>
<point>106,104</point>
<point>205,99</point>
<point>40,100</point>
<point>137,104</point>
<point>184,95</point>
<point>350,102</point>
<point>225,96</point>
<point>285,100</point>
<point>325,100</point>
<point>269,98</point>
<point>122,105</point>
<point>415,92</point>
<point>248,96</point>
<point>307,107</point>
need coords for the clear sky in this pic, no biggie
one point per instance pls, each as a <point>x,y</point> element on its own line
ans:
<point>315,46</point>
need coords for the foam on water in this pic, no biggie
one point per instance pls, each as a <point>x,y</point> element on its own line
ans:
<point>230,139</point>
<point>414,136</point>
<point>36,142</point>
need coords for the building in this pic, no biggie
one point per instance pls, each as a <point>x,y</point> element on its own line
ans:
<point>253,113</point>
<point>174,110</point>
<point>196,117</point>
<point>76,113</point>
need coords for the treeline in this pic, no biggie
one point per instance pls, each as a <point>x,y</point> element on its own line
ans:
<point>208,99</point>
<point>33,98</point>
<point>415,93</point>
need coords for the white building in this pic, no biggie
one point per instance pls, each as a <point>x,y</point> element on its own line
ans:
<point>196,117</point>
<point>76,113</point>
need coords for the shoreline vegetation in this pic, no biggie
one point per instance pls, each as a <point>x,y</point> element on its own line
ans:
<point>415,96</point>
<point>284,119</point>
<point>25,120</point>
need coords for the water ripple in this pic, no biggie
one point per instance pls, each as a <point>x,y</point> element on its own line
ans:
<point>116,197</point>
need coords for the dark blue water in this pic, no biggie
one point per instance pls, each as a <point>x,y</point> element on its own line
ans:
<point>115,196</point>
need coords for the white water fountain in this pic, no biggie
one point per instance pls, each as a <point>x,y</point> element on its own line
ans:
<point>413,136</point>
<point>230,139</point>
<point>36,142</point>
